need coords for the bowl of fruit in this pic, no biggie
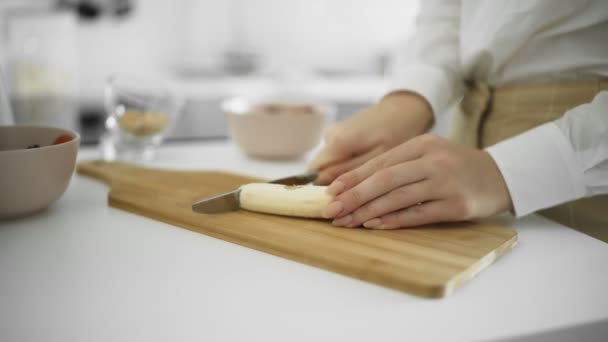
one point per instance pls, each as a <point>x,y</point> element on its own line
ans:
<point>37,165</point>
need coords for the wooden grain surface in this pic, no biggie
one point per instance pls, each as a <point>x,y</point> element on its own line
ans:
<point>430,261</point>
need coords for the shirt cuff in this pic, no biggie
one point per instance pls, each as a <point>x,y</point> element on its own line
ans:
<point>432,83</point>
<point>540,169</point>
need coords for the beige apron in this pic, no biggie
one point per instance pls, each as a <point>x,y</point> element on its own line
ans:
<point>489,115</point>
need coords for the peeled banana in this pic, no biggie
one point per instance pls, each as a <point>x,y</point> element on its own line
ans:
<point>289,200</point>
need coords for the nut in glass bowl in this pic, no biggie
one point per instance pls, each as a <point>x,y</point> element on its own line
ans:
<point>143,124</point>
<point>140,114</point>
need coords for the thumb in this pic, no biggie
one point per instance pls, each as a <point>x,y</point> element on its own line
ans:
<point>340,144</point>
<point>325,157</point>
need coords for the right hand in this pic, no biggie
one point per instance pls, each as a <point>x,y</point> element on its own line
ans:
<point>398,117</point>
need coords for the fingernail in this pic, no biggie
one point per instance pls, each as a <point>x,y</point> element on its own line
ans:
<point>343,221</point>
<point>373,223</point>
<point>335,188</point>
<point>333,209</point>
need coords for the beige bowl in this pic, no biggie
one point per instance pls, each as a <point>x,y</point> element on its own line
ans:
<point>32,178</point>
<point>276,129</point>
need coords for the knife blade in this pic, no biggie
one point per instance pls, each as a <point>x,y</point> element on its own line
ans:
<point>229,201</point>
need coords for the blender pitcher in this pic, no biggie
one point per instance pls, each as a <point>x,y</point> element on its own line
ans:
<point>41,60</point>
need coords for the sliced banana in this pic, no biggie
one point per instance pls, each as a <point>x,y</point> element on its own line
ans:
<point>289,200</point>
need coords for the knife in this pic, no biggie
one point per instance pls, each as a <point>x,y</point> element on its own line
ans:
<point>229,201</point>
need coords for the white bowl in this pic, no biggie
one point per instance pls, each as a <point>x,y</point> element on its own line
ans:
<point>32,178</point>
<point>276,128</point>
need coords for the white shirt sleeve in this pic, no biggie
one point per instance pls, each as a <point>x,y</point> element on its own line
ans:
<point>559,161</point>
<point>430,64</point>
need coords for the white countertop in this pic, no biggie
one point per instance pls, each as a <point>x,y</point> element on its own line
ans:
<point>81,271</point>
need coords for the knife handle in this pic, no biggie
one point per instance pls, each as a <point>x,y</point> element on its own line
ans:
<point>301,179</point>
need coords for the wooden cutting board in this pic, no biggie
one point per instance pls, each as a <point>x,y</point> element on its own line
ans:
<point>431,261</point>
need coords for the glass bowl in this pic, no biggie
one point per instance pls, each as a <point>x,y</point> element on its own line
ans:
<point>141,112</point>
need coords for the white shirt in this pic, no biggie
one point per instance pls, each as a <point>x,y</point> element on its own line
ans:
<point>515,42</point>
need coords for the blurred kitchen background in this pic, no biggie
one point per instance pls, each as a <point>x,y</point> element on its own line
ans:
<point>57,55</point>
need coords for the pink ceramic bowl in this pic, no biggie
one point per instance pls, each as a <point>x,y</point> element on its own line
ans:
<point>276,129</point>
<point>32,178</point>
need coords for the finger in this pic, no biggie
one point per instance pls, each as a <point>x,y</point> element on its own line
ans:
<point>416,215</point>
<point>340,145</point>
<point>410,150</point>
<point>380,183</point>
<point>331,172</point>
<point>326,157</point>
<point>398,199</point>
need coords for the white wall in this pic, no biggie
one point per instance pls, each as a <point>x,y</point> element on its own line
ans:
<point>339,34</point>
<point>150,41</point>
<point>163,35</point>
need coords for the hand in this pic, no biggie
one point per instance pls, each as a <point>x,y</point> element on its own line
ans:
<point>425,180</point>
<point>398,117</point>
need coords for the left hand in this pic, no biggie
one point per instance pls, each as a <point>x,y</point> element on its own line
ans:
<point>425,180</point>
